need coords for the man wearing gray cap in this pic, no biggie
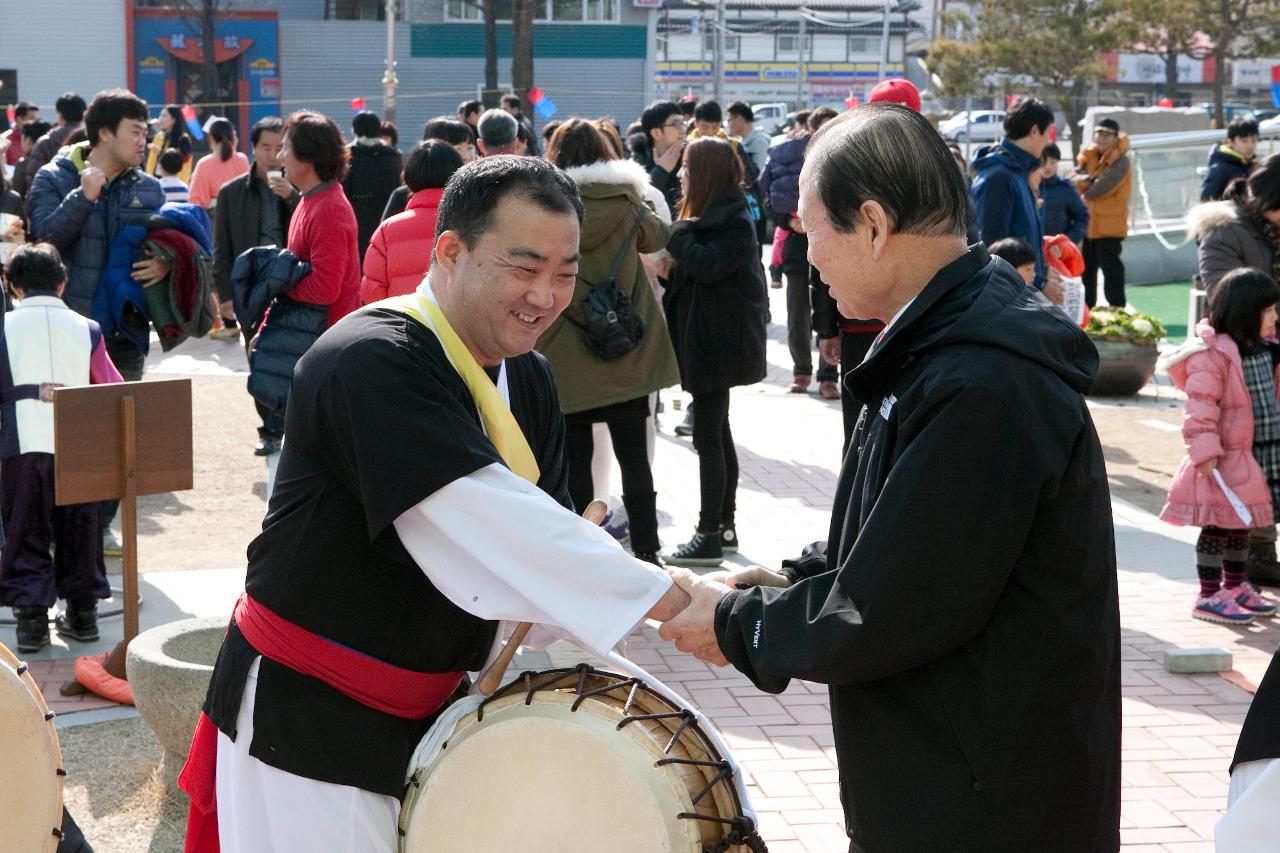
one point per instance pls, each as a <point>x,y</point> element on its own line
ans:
<point>498,131</point>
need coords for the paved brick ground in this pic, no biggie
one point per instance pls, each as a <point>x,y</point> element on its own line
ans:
<point>1179,730</point>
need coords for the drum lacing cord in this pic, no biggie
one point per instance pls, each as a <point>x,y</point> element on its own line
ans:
<point>742,829</point>
<point>48,716</point>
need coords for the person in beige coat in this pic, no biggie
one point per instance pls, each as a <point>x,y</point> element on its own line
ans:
<point>614,392</point>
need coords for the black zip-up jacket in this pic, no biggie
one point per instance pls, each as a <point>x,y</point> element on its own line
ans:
<point>969,625</point>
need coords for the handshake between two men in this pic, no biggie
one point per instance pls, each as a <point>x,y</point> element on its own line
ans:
<point>692,626</point>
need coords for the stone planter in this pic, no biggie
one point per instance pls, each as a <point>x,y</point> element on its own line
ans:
<point>169,668</point>
<point>1123,368</point>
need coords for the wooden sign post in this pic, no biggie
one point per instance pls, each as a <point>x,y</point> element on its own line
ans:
<point>118,442</point>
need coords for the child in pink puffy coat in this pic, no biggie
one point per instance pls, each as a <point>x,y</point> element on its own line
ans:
<point>1231,416</point>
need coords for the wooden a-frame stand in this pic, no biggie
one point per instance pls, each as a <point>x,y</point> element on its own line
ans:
<point>116,442</point>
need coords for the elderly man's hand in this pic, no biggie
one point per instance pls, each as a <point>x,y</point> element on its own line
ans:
<point>693,630</point>
<point>747,577</point>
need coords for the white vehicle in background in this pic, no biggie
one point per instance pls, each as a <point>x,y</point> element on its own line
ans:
<point>769,116</point>
<point>978,126</point>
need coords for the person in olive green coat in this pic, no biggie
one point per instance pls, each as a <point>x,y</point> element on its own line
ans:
<point>613,392</point>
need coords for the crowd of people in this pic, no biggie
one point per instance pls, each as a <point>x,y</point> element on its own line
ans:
<point>632,259</point>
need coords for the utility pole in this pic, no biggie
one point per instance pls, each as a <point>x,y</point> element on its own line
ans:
<point>389,81</point>
<point>718,59</point>
<point>800,103</point>
<point>884,40</point>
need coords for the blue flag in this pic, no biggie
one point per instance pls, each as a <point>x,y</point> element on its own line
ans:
<point>545,108</point>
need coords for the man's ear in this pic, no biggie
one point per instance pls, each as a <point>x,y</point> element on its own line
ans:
<point>878,223</point>
<point>480,147</point>
<point>448,248</point>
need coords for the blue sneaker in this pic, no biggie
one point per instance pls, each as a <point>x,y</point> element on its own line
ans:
<point>1250,602</point>
<point>1221,608</point>
<point>616,524</point>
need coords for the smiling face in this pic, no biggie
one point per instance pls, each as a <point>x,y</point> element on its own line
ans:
<point>505,291</point>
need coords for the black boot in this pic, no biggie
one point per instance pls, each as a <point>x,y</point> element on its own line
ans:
<point>685,427</point>
<point>702,550</point>
<point>1262,568</point>
<point>33,628</point>
<point>642,514</point>
<point>80,622</point>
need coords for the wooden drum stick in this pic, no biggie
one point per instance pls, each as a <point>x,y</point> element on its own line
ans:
<point>491,678</point>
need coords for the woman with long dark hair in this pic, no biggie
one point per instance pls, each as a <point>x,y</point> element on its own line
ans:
<point>171,133</point>
<point>223,163</point>
<point>715,304</point>
<point>617,227</point>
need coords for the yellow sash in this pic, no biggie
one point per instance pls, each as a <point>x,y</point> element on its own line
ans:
<point>499,423</point>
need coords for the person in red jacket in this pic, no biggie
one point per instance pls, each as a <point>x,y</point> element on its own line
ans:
<point>323,228</point>
<point>400,250</point>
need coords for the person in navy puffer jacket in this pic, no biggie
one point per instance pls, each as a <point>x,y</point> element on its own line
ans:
<point>81,200</point>
<point>1006,205</point>
<point>1064,211</point>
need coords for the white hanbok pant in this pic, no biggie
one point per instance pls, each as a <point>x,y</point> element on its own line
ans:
<point>319,816</point>
<point>1252,803</point>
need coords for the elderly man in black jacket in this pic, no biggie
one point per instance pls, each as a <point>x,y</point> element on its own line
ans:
<point>254,210</point>
<point>966,618</point>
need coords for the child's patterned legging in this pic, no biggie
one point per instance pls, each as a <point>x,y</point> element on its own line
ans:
<point>1220,558</point>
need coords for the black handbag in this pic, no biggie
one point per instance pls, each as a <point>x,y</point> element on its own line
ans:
<point>610,329</point>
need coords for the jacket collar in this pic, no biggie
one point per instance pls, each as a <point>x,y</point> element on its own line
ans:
<point>49,301</point>
<point>905,333</point>
<point>429,197</point>
<point>1019,159</point>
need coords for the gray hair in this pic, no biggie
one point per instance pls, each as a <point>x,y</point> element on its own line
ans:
<point>888,154</point>
<point>497,128</point>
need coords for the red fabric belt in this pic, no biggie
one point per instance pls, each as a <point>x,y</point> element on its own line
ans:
<point>373,683</point>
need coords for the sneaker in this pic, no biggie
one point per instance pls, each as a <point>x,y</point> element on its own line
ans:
<point>267,445</point>
<point>729,540</point>
<point>617,525</point>
<point>1221,608</point>
<point>1249,600</point>
<point>225,333</point>
<point>800,384</point>
<point>829,390</point>
<point>775,283</point>
<point>33,628</point>
<point>78,623</point>
<point>702,550</point>
<point>111,546</point>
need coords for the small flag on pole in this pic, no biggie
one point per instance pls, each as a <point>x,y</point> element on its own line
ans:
<point>13,117</point>
<point>1275,85</point>
<point>542,105</point>
<point>193,121</point>
<point>357,105</point>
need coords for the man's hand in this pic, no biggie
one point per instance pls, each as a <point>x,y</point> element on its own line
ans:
<point>693,629</point>
<point>748,577</point>
<point>150,271</point>
<point>1054,292</point>
<point>669,606</point>
<point>92,180</point>
<point>829,349</point>
<point>669,158</point>
<point>281,187</point>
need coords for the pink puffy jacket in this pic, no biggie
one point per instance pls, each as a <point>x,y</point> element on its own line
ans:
<point>1217,423</point>
<point>400,250</point>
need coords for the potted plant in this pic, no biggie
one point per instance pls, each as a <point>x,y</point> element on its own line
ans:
<point>1126,342</point>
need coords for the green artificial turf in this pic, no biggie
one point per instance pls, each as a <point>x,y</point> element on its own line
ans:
<point>1167,302</point>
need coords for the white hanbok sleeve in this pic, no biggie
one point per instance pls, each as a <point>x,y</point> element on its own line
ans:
<point>500,548</point>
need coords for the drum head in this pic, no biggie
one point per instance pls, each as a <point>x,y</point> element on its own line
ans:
<point>30,763</point>
<point>540,778</point>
